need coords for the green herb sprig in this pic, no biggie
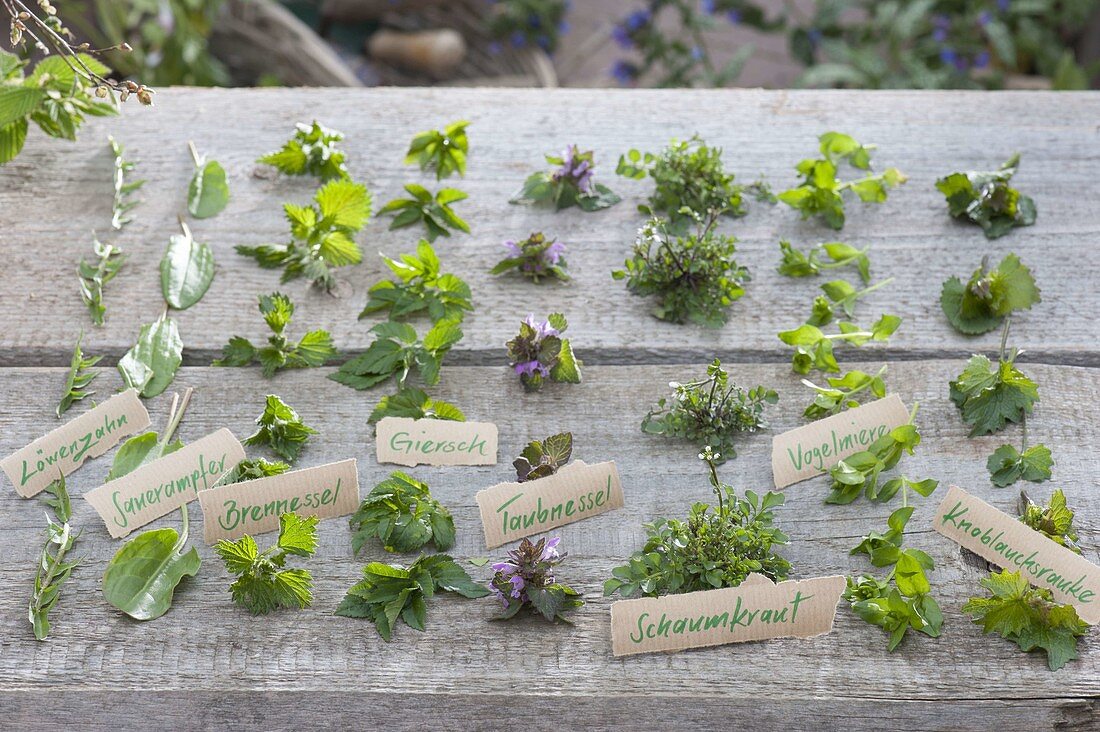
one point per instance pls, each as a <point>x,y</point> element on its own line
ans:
<point>94,275</point>
<point>987,199</point>
<point>54,566</point>
<point>401,512</point>
<point>537,257</point>
<point>443,151</point>
<point>989,296</point>
<point>526,580</point>
<point>841,392</point>
<point>1054,520</point>
<point>263,582</point>
<point>434,211</point>
<point>208,192</point>
<point>315,348</point>
<point>151,364</point>
<point>414,403</point>
<point>542,458</point>
<point>124,190</point>
<point>688,178</point>
<point>794,263</point>
<point>281,429</point>
<point>396,352</point>
<point>814,349</point>
<point>989,395</point>
<point>900,602</point>
<point>571,184</point>
<point>839,299</point>
<point>420,287</point>
<point>254,469</point>
<point>78,378</point>
<point>148,446</point>
<point>1032,463</point>
<point>311,151</point>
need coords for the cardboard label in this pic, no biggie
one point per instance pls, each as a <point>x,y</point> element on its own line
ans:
<point>66,448</point>
<point>815,448</point>
<point>435,442</point>
<point>254,506</point>
<point>1006,541</point>
<point>160,487</point>
<point>511,511</point>
<point>757,609</point>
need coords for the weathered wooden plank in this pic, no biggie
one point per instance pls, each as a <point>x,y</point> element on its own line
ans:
<point>54,195</point>
<point>206,645</point>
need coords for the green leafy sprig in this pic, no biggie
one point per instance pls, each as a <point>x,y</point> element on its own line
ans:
<point>78,378</point>
<point>94,275</point>
<point>694,277</point>
<point>322,236</point>
<point>902,600</point>
<point>821,191</point>
<point>989,296</point>
<point>689,178</point>
<point>542,458</point>
<point>710,411</point>
<point>526,580</point>
<point>536,257</point>
<point>311,151</point>
<point>314,349</point>
<point>814,349</point>
<point>148,446</point>
<point>989,395</point>
<point>54,565</point>
<point>794,263</point>
<point>124,189</point>
<point>1054,520</point>
<point>208,192</point>
<point>414,403</point>
<point>396,352</point>
<point>571,184</point>
<point>1032,463</point>
<point>987,199</point>
<point>280,429</point>
<point>264,583</point>
<point>186,270</point>
<point>434,212</point>
<point>249,469</point>
<point>841,392</point>
<point>714,548</point>
<point>420,287</point>
<point>539,353</point>
<point>839,300</point>
<point>389,592</point>
<point>151,364</point>
<point>401,512</point>
<point>443,151</point>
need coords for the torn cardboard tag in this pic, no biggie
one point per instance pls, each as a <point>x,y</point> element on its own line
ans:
<point>411,442</point>
<point>815,448</point>
<point>254,506</point>
<point>160,487</point>
<point>1010,543</point>
<point>66,448</point>
<point>511,511</point>
<point>757,609</point>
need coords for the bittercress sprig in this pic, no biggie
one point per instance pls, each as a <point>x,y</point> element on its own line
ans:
<point>315,348</point>
<point>311,151</point>
<point>401,512</point>
<point>688,178</point>
<point>987,199</point>
<point>420,287</point>
<point>263,582</point>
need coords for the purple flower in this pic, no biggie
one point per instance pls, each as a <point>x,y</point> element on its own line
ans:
<point>550,551</point>
<point>518,583</point>
<point>554,252</point>
<point>528,368</point>
<point>939,35</point>
<point>495,48</point>
<point>981,60</point>
<point>506,567</point>
<point>948,55</point>
<point>544,41</point>
<point>1004,5</point>
<point>638,20</point>
<point>513,248</point>
<point>985,18</point>
<point>621,36</point>
<point>563,27</point>
<point>542,330</point>
<point>734,17</point>
<point>518,39</point>
<point>697,53</point>
<point>625,72</point>
<point>941,21</point>
<point>709,7</point>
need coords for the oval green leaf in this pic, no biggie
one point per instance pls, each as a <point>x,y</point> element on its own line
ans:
<point>150,366</point>
<point>186,270</point>
<point>209,192</point>
<point>142,576</point>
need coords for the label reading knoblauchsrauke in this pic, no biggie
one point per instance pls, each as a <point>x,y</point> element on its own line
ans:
<point>1008,542</point>
<point>815,448</point>
<point>755,610</point>
<point>160,487</point>
<point>511,511</point>
<point>66,448</point>
<point>412,442</point>
<point>254,506</point>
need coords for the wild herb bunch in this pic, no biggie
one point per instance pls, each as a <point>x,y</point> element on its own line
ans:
<point>569,184</point>
<point>526,580</point>
<point>536,257</point>
<point>711,411</point>
<point>687,175</point>
<point>694,277</point>
<point>715,547</point>
<point>539,353</point>
<point>987,199</point>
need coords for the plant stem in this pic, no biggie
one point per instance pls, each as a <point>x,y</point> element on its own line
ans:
<point>194,154</point>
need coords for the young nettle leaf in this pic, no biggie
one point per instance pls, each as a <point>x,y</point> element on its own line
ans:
<point>694,277</point>
<point>710,412</point>
<point>990,396</point>
<point>990,296</point>
<point>186,270</point>
<point>541,458</point>
<point>94,275</point>
<point>861,473</point>
<point>539,353</point>
<point>389,591</point>
<point>208,192</point>
<point>987,199</point>
<point>314,349</point>
<point>526,580</point>
<point>420,287</point>
<point>248,469</point>
<point>713,548</point>
<point>311,151</point>
<point>1007,465</point>
<point>263,581</point>
<point>908,604</point>
<point>78,379</point>
<point>54,564</point>
<point>147,447</point>
<point>401,512</point>
<point>841,392</point>
<point>280,429</point>
<point>821,191</point>
<point>885,549</point>
<point>536,257</point>
<point>434,212</point>
<point>414,404</point>
<point>396,352</point>
<point>443,151</point>
<point>797,264</point>
<point>322,236</point>
<point>124,189</point>
<point>571,184</point>
<point>1028,616</point>
<point>150,366</point>
<point>1054,520</point>
<point>814,349</point>
<point>689,178</point>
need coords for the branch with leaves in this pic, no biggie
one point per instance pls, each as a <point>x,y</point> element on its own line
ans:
<point>54,566</point>
<point>78,378</point>
<point>94,275</point>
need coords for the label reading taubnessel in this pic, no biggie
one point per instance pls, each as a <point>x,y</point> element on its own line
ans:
<point>160,487</point>
<point>254,506</point>
<point>815,448</point>
<point>411,442</point>
<point>511,511</point>
<point>997,537</point>
<point>66,448</point>
<point>757,609</point>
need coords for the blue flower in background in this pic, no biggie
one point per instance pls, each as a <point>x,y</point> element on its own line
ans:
<point>625,72</point>
<point>697,53</point>
<point>734,17</point>
<point>1004,5</point>
<point>518,39</point>
<point>638,20</point>
<point>495,48</point>
<point>981,60</point>
<point>948,55</point>
<point>985,18</point>
<point>621,36</point>
<point>939,35</point>
<point>709,7</point>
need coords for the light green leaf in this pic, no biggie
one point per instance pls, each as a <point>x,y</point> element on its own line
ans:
<point>186,270</point>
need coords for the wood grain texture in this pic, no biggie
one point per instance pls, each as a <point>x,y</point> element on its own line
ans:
<point>207,645</point>
<point>763,132</point>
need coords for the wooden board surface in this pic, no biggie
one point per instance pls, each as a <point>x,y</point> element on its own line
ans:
<point>209,664</point>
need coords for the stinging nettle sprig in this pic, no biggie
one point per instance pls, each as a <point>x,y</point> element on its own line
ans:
<point>314,349</point>
<point>54,566</point>
<point>312,150</point>
<point>281,429</point>
<point>263,582</point>
<point>443,151</point>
